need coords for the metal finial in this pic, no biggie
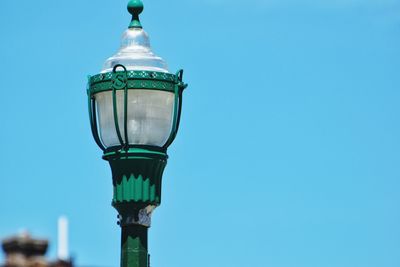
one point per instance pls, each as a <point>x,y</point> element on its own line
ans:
<point>135,7</point>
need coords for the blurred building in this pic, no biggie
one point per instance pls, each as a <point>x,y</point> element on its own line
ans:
<point>24,251</point>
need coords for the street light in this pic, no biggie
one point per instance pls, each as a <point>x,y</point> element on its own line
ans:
<point>134,108</point>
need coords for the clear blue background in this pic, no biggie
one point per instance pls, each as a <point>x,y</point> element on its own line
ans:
<point>288,152</point>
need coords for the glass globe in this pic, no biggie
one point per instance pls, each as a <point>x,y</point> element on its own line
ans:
<point>150,112</point>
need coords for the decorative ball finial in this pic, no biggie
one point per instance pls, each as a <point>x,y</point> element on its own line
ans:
<point>135,7</point>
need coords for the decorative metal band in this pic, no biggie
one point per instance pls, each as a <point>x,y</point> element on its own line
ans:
<point>146,152</point>
<point>133,84</point>
<point>133,74</point>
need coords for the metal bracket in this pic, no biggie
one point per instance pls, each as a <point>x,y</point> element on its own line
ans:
<point>143,218</point>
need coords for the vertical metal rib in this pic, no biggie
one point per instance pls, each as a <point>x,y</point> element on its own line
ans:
<point>117,84</point>
<point>126,115</point>
<point>177,108</point>
<point>93,121</point>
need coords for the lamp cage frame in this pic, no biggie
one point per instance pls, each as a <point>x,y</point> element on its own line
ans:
<point>122,79</point>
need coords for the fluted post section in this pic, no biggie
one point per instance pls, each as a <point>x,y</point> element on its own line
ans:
<point>137,177</point>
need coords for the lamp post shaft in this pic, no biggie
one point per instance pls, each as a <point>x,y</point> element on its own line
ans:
<point>134,251</point>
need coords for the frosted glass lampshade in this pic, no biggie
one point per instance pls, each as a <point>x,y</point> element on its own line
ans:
<point>149,117</point>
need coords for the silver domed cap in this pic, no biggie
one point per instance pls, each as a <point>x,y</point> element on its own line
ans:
<point>135,53</point>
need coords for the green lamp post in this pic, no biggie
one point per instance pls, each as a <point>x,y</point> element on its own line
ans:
<point>134,108</point>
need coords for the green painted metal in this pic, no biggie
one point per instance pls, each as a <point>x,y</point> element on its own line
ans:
<point>135,153</point>
<point>118,83</point>
<point>135,80</point>
<point>134,74</point>
<point>93,118</point>
<point>135,7</point>
<point>137,84</point>
<point>131,80</point>
<point>126,111</point>
<point>179,87</point>
<point>137,179</point>
<point>134,246</point>
<point>135,189</point>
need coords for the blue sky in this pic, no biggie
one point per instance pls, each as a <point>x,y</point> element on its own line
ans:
<point>288,152</point>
